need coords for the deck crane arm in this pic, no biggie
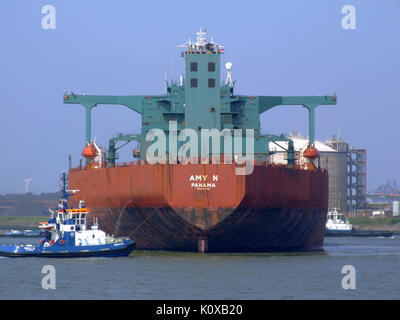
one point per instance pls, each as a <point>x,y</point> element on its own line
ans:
<point>90,101</point>
<point>111,155</point>
<point>309,102</point>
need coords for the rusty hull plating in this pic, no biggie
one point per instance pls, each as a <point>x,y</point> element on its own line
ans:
<point>208,207</point>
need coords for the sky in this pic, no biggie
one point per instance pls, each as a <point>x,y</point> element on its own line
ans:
<point>285,47</point>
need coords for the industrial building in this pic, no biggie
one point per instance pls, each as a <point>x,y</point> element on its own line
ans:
<point>356,173</point>
<point>346,167</point>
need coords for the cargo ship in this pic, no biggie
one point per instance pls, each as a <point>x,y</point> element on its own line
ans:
<point>204,198</point>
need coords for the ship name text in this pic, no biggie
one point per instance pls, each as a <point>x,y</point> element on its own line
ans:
<point>200,182</point>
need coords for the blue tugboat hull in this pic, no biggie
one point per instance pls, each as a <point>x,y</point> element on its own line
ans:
<point>121,249</point>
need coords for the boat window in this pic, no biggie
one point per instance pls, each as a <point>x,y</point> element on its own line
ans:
<point>193,66</point>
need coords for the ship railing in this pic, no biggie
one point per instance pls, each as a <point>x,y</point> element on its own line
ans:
<point>258,163</point>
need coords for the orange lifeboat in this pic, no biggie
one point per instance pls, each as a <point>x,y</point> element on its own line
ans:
<point>89,151</point>
<point>311,152</point>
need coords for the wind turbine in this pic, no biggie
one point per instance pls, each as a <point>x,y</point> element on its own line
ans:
<point>27,180</point>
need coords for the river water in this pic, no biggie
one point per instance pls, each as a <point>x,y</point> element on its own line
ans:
<point>170,275</point>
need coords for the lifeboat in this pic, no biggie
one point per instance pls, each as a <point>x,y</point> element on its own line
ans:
<point>89,151</point>
<point>311,153</point>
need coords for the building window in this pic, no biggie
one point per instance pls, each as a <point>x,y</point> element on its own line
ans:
<point>193,82</point>
<point>193,66</point>
<point>211,66</point>
<point>211,83</point>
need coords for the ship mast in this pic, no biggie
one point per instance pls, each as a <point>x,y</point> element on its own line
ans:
<point>202,45</point>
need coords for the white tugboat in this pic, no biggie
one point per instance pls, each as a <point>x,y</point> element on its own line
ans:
<point>66,235</point>
<point>337,223</point>
<point>338,226</point>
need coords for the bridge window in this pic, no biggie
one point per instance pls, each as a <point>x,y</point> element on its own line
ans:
<point>193,82</point>
<point>193,66</point>
<point>211,66</point>
<point>211,83</point>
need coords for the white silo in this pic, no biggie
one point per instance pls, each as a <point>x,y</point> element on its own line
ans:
<point>329,158</point>
<point>396,208</point>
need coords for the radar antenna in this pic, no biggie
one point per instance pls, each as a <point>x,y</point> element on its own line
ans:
<point>201,44</point>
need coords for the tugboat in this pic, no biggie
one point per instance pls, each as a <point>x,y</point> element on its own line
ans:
<point>337,223</point>
<point>66,235</point>
<point>337,226</point>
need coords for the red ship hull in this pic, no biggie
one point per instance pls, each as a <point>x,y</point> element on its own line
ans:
<point>208,207</point>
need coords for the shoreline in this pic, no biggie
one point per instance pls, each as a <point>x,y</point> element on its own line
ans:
<point>32,222</point>
<point>20,222</point>
<point>395,229</point>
